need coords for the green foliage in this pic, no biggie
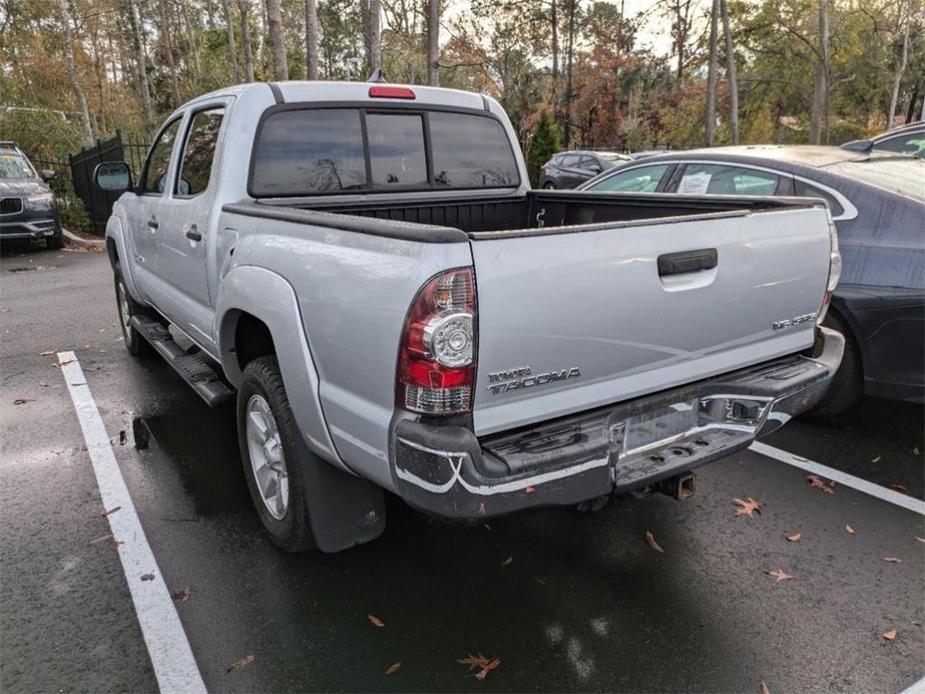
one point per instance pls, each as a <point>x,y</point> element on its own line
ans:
<point>544,143</point>
<point>41,133</point>
<point>73,214</point>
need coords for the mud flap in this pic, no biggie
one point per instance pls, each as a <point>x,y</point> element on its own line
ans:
<point>344,510</point>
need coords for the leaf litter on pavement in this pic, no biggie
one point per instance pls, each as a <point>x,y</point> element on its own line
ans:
<point>240,663</point>
<point>816,482</point>
<point>651,541</point>
<point>375,621</point>
<point>480,662</point>
<point>779,575</point>
<point>747,506</point>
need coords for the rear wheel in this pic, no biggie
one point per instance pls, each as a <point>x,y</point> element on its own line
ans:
<point>848,383</point>
<point>56,241</point>
<point>549,185</point>
<point>127,308</point>
<point>270,454</point>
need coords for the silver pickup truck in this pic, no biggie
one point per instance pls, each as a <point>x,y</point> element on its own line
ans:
<point>364,268</point>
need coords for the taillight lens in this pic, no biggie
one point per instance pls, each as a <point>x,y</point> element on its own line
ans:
<point>436,360</point>
<point>834,269</point>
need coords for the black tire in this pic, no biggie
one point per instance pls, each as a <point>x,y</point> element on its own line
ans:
<point>848,383</point>
<point>549,185</point>
<point>56,241</point>
<point>292,532</point>
<point>134,342</point>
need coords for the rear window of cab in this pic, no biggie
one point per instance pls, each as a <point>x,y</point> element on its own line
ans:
<point>313,151</point>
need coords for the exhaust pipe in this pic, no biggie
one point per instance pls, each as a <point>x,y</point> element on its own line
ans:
<point>680,487</point>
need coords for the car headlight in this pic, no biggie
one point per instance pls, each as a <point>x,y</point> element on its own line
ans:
<point>40,199</point>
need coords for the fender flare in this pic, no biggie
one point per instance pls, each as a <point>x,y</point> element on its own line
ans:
<point>115,232</point>
<point>269,297</point>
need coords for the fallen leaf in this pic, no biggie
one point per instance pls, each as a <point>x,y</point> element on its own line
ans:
<point>875,460</point>
<point>482,510</point>
<point>763,689</point>
<point>48,353</point>
<point>64,363</point>
<point>898,486</point>
<point>375,621</point>
<point>849,529</point>
<point>920,539</point>
<point>529,490</point>
<point>507,562</point>
<point>105,513</point>
<point>484,665</point>
<point>779,575</point>
<point>892,560</point>
<point>147,577</point>
<point>816,482</point>
<point>100,539</point>
<point>795,537</point>
<point>747,507</point>
<point>116,543</point>
<point>240,664</point>
<point>889,635</point>
<point>486,526</point>
<point>393,668</point>
<point>915,450</point>
<point>22,401</point>
<point>184,595</point>
<point>650,540</point>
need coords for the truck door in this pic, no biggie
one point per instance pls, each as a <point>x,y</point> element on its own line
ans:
<point>184,237</point>
<point>143,214</point>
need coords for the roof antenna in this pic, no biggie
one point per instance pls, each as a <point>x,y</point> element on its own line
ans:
<point>377,76</point>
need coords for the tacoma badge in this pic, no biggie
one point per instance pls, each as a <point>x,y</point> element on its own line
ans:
<point>523,377</point>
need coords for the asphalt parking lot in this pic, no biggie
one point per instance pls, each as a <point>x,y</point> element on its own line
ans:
<point>566,601</point>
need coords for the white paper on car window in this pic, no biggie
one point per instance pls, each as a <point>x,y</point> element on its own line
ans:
<point>695,183</point>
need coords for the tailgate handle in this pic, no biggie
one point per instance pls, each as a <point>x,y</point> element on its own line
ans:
<point>687,261</point>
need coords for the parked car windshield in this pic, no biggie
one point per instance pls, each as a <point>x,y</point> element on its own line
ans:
<point>900,175</point>
<point>610,159</point>
<point>14,165</point>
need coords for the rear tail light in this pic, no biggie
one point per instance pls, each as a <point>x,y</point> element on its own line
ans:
<point>834,269</point>
<point>437,356</point>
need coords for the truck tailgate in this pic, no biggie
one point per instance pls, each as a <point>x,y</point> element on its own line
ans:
<point>576,317</point>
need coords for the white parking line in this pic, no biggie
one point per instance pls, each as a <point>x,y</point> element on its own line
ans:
<point>173,661</point>
<point>915,687</point>
<point>863,486</point>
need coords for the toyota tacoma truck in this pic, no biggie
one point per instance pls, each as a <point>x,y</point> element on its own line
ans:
<point>365,270</point>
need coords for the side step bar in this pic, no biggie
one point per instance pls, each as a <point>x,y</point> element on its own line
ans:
<point>200,376</point>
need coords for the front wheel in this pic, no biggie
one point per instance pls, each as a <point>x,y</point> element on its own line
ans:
<point>270,454</point>
<point>56,240</point>
<point>549,185</point>
<point>128,307</point>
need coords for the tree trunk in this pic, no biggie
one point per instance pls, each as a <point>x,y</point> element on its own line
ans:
<point>897,81</point>
<point>72,74</point>
<point>554,21</point>
<point>731,74</point>
<point>570,52</point>
<point>311,39</point>
<point>232,49</point>
<point>374,37</point>
<point>168,51</point>
<point>141,59</point>
<point>819,114</point>
<point>244,7</point>
<point>433,43</point>
<point>193,44</point>
<point>277,41</point>
<point>712,69</point>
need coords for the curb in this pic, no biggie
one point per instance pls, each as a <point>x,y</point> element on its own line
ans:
<point>80,242</point>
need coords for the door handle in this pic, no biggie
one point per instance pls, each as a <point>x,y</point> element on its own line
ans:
<point>192,233</point>
<point>152,223</point>
<point>687,261</point>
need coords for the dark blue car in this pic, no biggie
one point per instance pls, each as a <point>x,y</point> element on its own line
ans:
<point>877,203</point>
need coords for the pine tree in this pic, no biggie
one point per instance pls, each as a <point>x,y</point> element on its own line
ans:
<point>543,145</point>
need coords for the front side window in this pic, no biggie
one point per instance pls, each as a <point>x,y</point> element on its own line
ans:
<point>396,149</point>
<point>644,179</point>
<point>13,164</point>
<point>910,143</point>
<point>471,152</point>
<point>198,152</point>
<point>720,179</point>
<point>155,176</point>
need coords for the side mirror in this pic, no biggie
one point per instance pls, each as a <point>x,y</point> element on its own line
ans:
<point>112,176</point>
<point>595,168</point>
<point>47,174</point>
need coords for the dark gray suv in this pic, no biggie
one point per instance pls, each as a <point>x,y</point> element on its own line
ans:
<point>27,204</point>
<point>572,168</point>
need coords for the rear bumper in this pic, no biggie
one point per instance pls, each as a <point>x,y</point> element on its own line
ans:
<point>447,471</point>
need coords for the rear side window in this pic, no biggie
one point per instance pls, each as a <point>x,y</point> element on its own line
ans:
<point>471,152</point>
<point>396,149</point>
<point>198,152</point>
<point>644,179</point>
<point>719,179</point>
<point>908,143</point>
<point>805,190</point>
<point>311,151</point>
